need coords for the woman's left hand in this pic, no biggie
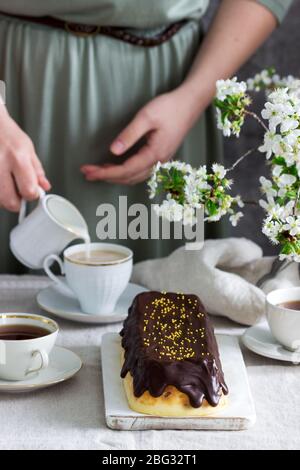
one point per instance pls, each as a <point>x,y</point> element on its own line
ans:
<point>163,122</point>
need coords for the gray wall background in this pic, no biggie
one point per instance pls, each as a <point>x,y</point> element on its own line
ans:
<point>281,50</point>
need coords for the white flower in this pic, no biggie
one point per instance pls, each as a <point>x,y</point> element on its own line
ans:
<point>225,126</point>
<point>275,114</point>
<point>279,96</point>
<point>280,110</point>
<point>262,78</point>
<point>265,77</point>
<point>214,218</point>
<point>292,225</point>
<point>272,114</point>
<point>157,167</point>
<point>286,210</point>
<point>152,184</point>
<point>195,183</point>
<point>266,187</point>
<point>277,170</point>
<point>170,210</point>
<point>203,185</point>
<point>286,180</point>
<point>271,229</point>
<point>282,192</point>
<point>276,79</point>
<point>269,205</point>
<point>236,127</point>
<point>228,184</point>
<point>239,201</point>
<point>271,144</point>
<point>292,83</point>
<point>274,210</point>
<point>292,138</point>
<point>265,184</point>
<point>201,172</point>
<point>181,166</point>
<point>219,170</point>
<point>226,204</point>
<point>191,190</point>
<point>234,218</point>
<point>229,87</point>
<point>290,146</point>
<point>251,84</point>
<point>217,216</point>
<point>289,124</point>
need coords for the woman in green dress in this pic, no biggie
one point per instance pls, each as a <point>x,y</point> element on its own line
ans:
<point>88,115</point>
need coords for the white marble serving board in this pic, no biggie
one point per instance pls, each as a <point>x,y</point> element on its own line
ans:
<point>239,413</point>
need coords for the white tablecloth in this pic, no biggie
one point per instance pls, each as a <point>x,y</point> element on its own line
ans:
<point>71,415</point>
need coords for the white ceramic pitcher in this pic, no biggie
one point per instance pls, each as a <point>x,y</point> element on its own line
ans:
<point>49,228</point>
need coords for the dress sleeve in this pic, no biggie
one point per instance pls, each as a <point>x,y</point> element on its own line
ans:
<point>278,7</point>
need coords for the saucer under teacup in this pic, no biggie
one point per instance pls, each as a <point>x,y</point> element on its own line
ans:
<point>63,304</point>
<point>63,364</point>
<point>259,340</point>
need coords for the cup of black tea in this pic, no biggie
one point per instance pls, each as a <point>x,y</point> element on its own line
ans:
<point>283,315</point>
<point>26,341</point>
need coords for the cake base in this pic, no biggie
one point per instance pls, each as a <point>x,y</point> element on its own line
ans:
<point>172,403</point>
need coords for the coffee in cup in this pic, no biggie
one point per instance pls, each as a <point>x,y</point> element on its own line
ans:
<point>20,332</point>
<point>96,257</point>
<point>283,315</point>
<point>26,341</point>
<point>291,305</point>
<point>96,273</point>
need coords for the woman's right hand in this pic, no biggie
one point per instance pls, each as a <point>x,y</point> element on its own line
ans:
<point>21,172</point>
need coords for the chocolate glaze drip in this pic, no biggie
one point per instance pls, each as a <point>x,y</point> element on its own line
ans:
<point>168,340</point>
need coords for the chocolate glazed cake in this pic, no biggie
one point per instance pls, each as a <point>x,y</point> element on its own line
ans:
<point>171,359</point>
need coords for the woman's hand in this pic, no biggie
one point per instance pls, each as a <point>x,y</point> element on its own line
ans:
<point>163,122</point>
<point>21,172</point>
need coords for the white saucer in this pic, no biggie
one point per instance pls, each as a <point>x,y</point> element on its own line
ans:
<point>259,339</point>
<point>62,366</point>
<point>63,304</point>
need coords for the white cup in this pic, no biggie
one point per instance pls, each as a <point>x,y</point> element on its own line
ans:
<point>96,286</point>
<point>49,228</point>
<point>21,358</point>
<point>284,322</point>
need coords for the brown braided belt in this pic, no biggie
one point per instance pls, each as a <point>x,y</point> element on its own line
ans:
<point>84,30</point>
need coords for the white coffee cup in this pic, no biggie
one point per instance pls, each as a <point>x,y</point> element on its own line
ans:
<point>96,286</point>
<point>19,359</point>
<point>49,228</point>
<point>284,322</point>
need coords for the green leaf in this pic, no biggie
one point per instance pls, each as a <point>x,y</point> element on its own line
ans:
<point>287,248</point>
<point>211,207</point>
<point>278,161</point>
<point>291,194</point>
<point>271,71</point>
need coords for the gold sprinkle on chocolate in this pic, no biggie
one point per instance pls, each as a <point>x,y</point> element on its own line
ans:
<point>176,332</point>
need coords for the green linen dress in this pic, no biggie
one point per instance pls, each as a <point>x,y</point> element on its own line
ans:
<point>73,95</point>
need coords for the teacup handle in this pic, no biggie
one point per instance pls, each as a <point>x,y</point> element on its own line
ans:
<point>22,213</point>
<point>44,361</point>
<point>47,262</point>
